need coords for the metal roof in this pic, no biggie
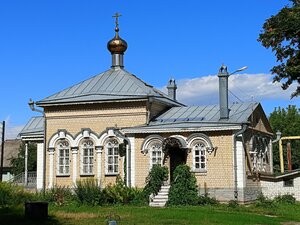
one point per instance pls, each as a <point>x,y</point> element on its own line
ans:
<point>198,118</point>
<point>35,126</point>
<point>113,84</point>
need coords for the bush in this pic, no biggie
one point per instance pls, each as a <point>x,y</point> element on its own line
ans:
<point>119,193</point>
<point>58,195</point>
<point>183,189</point>
<point>154,181</point>
<point>13,195</point>
<point>206,200</point>
<point>233,204</point>
<point>88,192</point>
<point>285,199</point>
<point>263,201</point>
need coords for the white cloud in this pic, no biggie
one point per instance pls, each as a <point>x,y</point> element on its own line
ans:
<point>205,90</point>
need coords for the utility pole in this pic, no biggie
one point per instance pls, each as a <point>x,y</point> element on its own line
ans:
<point>2,150</point>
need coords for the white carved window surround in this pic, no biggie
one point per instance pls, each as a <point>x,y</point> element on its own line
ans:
<point>63,158</point>
<point>199,156</point>
<point>87,157</point>
<point>112,157</point>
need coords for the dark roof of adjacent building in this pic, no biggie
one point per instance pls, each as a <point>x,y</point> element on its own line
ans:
<point>113,84</point>
<point>196,117</point>
<point>11,149</point>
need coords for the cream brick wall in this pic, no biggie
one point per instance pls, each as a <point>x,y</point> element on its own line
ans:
<point>97,118</point>
<point>219,164</point>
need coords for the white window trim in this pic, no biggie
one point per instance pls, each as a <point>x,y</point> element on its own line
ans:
<point>58,173</point>
<point>150,147</point>
<point>106,157</point>
<point>81,159</point>
<point>199,170</point>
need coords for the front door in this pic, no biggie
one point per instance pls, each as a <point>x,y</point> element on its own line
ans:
<point>177,157</point>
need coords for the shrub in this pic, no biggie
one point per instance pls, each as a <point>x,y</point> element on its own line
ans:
<point>13,195</point>
<point>119,193</point>
<point>285,199</point>
<point>233,204</point>
<point>183,189</point>
<point>206,200</point>
<point>58,195</point>
<point>263,201</point>
<point>88,192</point>
<point>154,181</point>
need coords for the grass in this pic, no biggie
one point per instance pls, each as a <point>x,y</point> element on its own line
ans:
<point>222,214</point>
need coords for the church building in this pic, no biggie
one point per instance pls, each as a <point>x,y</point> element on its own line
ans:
<point>114,124</point>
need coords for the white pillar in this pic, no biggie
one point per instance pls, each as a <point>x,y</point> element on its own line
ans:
<point>40,167</point>
<point>26,164</point>
<point>74,164</point>
<point>271,155</point>
<point>51,167</point>
<point>99,164</point>
<point>132,161</point>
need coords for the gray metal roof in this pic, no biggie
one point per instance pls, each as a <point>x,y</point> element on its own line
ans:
<point>113,84</point>
<point>198,118</point>
<point>35,126</point>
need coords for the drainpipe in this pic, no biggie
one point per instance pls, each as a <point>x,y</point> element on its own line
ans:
<point>244,128</point>
<point>128,156</point>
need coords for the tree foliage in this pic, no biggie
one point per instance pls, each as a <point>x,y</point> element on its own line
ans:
<point>18,163</point>
<point>281,33</point>
<point>287,121</point>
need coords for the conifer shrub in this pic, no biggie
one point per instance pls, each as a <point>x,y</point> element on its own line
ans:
<point>88,192</point>
<point>183,189</point>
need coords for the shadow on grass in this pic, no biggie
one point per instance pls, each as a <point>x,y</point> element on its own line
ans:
<point>16,216</point>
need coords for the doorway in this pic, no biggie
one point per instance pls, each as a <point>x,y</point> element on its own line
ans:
<point>177,157</point>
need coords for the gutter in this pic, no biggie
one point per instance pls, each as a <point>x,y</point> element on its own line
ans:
<point>242,131</point>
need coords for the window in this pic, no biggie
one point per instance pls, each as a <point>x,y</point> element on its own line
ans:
<point>156,156</point>
<point>112,157</point>
<point>87,157</point>
<point>288,183</point>
<point>63,153</point>
<point>199,157</point>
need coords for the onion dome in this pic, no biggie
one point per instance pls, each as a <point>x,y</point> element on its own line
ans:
<point>117,45</point>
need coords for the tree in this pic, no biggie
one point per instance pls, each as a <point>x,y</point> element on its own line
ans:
<point>18,163</point>
<point>281,33</point>
<point>287,121</point>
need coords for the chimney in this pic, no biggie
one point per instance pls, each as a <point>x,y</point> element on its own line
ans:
<point>223,92</point>
<point>172,89</point>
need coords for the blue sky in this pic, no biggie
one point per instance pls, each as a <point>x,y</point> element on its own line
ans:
<point>49,45</point>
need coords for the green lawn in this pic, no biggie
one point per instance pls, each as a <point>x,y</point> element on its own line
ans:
<point>222,214</point>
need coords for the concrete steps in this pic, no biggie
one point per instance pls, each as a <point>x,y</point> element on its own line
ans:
<point>161,198</point>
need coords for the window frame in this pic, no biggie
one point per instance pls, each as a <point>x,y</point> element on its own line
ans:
<point>89,157</point>
<point>151,145</point>
<point>200,162</point>
<point>112,160</point>
<point>65,157</point>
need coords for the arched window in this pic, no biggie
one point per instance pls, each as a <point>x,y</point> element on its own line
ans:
<point>63,158</point>
<point>87,157</point>
<point>156,155</point>
<point>199,156</point>
<point>112,157</point>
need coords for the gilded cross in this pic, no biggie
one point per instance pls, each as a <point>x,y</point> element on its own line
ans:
<point>117,15</point>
